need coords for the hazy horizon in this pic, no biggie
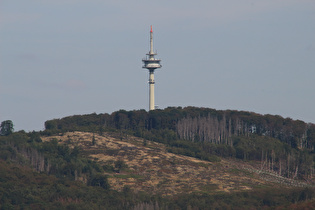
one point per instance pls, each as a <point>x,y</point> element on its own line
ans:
<point>61,58</point>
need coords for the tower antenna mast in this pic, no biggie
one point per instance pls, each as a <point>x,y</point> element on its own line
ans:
<point>151,63</point>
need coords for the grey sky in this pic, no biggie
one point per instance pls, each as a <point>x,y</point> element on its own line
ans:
<point>66,57</point>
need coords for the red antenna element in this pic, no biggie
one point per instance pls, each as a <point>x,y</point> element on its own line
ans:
<point>151,29</point>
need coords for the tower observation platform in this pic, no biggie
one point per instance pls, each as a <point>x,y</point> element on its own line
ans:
<point>151,63</point>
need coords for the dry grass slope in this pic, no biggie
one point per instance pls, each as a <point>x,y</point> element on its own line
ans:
<point>152,169</point>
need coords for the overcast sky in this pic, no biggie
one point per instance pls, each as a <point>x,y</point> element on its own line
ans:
<point>64,57</point>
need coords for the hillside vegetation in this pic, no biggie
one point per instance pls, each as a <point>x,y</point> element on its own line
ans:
<point>282,145</point>
<point>79,170</point>
<point>151,168</point>
<point>177,158</point>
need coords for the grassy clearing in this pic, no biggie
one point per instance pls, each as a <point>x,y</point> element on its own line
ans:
<point>151,167</point>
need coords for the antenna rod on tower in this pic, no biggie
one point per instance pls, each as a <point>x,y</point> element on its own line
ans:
<point>151,42</point>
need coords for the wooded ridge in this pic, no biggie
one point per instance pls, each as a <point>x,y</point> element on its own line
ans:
<point>282,145</point>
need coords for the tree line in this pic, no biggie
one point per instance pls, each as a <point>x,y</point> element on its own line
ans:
<point>195,124</point>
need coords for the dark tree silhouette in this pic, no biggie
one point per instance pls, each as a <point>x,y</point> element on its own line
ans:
<point>6,128</point>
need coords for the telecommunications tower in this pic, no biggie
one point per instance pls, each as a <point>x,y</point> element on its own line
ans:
<point>151,64</point>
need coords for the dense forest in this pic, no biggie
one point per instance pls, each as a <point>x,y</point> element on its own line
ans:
<point>282,145</point>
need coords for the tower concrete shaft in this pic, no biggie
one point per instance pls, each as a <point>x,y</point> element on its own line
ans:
<point>151,91</point>
<point>151,63</point>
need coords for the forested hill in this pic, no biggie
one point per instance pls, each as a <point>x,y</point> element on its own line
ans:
<point>113,161</point>
<point>195,124</point>
<point>282,145</point>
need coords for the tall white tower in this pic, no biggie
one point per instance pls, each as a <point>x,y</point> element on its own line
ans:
<point>151,64</point>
